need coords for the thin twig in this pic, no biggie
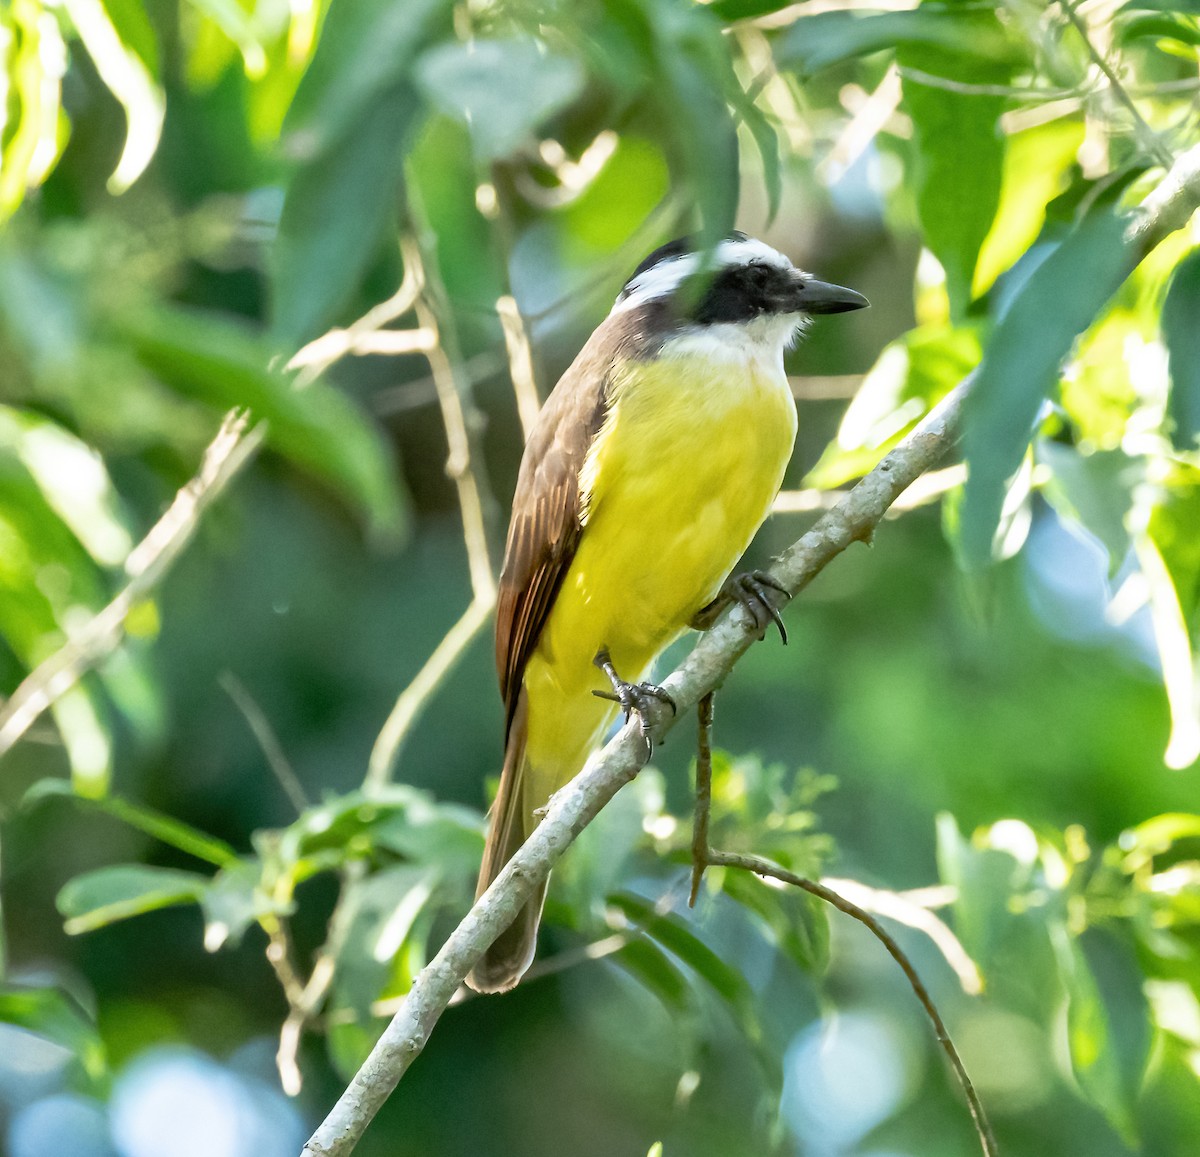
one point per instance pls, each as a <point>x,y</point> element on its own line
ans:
<point>148,563</point>
<point>861,129</point>
<point>303,1006</point>
<point>520,362</point>
<point>704,718</point>
<point>462,422</point>
<point>704,856</point>
<point>316,357</point>
<point>1151,141</point>
<point>268,741</point>
<point>458,415</point>
<point>761,867</point>
<point>414,698</point>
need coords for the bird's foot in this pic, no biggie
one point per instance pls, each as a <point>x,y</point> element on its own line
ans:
<point>634,698</point>
<point>755,590</point>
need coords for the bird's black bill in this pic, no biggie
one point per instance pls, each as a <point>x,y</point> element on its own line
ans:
<point>821,297</point>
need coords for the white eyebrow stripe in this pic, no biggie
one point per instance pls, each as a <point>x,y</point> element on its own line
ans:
<point>662,279</point>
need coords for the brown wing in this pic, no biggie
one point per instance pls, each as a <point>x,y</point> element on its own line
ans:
<point>544,530</point>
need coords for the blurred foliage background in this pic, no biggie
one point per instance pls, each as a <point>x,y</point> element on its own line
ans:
<point>383,227</point>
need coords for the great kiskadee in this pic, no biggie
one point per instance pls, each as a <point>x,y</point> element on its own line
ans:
<point>652,464</point>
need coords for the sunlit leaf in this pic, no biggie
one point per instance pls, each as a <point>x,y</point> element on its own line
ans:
<point>502,89</point>
<point>231,18</point>
<point>55,1016</point>
<point>73,479</point>
<point>116,893</point>
<point>32,61</point>
<point>1059,301</point>
<point>127,78</point>
<point>910,376</point>
<point>209,357</point>
<point>1175,657</point>
<point>1181,329</point>
<point>1036,163</point>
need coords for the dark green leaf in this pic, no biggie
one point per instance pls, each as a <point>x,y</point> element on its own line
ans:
<point>647,962</point>
<point>692,59</point>
<point>116,893</point>
<point>161,827</point>
<point>212,358</point>
<point>1166,26</point>
<point>51,1013</point>
<point>671,932</point>
<point>336,213</point>
<point>365,52</point>
<point>766,140</point>
<point>1095,1054</point>
<point>816,42</point>
<point>503,89</point>
<point>1061,298</point>
<point>1181,329</point>
<point>746,9</point>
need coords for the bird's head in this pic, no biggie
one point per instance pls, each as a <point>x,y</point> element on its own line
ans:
<point>741,282</point>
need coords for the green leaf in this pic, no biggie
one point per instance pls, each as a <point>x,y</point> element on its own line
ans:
<point>164,828</point>
<point>1181,331</point>
<point>813,43</point>
<point>692,61</point>
<point>1095,1054</point>
<point>365,52</point>
<point>1037,166</point>
<point>231,18</point>
<point>502,89</point>
<point>798,922</point>
<point>54,1015</point>
<point>209,357</point>
<point>766,140</point>
<point>911,375</point>
<point>746,9</point>
<point>651,967</point>
<point>1020,367</point>
<point>671,932</point>
<point>1164,26</point>
<point>233,900</point>
<point>116,893</point>
<point>127,77</point>
<point>1096,490</point>
<point>336,213</point>
<point>959,152</point>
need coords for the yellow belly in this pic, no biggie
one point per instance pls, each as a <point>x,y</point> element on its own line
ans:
<point>679,480</point>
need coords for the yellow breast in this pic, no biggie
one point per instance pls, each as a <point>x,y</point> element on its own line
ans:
<point>676,484</point>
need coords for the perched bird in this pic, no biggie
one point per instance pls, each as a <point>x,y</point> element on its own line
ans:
<point>652,464</point>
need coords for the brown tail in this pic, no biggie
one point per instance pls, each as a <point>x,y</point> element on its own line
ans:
<point>506,960</point>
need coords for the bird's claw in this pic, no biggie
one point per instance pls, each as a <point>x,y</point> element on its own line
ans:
<point>634,698</point>
<point>752,590</point>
